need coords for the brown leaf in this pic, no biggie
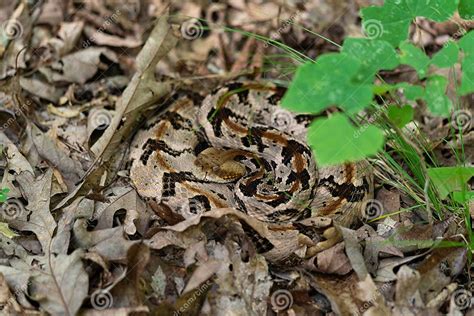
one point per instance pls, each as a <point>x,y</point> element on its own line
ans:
<point>101,38</point>
<point>61,289</point>
<point>109,243</point>
<point>438,269</point>
<point>38,192</point>
<point>142,91</point>
<point>407,293</point>
<point>390,200</point>
<point>50,150</point>
<point>128,292</point>
<point>79,66</point>
<point>130,202</point>
<point>7,300</point>
<point>332,260</point>
<point>67,37</point>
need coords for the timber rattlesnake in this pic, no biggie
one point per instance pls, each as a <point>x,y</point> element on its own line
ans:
<point>239,149</point>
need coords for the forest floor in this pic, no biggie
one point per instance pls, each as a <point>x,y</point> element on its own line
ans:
<point>77,78</point>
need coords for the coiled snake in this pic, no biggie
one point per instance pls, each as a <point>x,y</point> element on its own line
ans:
<point>239,149</point>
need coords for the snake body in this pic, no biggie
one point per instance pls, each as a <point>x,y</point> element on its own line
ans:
<point>239,149</point>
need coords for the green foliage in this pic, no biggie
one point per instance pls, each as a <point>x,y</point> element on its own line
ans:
<point>331,80</point>
<point>346,79</point>
<point>6,231</point>
<point>447,56</point>
<point>3,194</point>
<point>412,92</point>
<point>414,57</point>
<point>467,45</point>
<point>466,9</point>
<point>391,21</point>
<point>400,116</point>
<point>336,140</point>
<point>435,96</point>
<point>451,179</point>
<point>372,55</point>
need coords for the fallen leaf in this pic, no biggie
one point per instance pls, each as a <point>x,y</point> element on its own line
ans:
<point>67,37</point>
<point>406,292</point>
<point>142,92</point>
<point>38,193</point>
<point>109,243</point>
<point>6,231</point>
<point>50,150</point>
<point>128,293</point>
<point>78,67</point>
<point>61,289</point>
<point>103,39</point>
<point>333,261</point>
<point>8,301</point>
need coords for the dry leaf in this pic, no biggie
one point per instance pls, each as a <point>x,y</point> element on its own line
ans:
<point>78,67</point>
<point>62,287</point>
<point>38,193</point>
<point>332,260</point>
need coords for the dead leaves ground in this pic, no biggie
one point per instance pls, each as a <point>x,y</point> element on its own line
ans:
<point>78,77</point>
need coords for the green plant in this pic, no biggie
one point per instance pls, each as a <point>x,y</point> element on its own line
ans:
<point>3,194</point>
<point>348,79</point>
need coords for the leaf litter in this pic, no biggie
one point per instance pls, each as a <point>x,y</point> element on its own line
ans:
<point>78,80</point>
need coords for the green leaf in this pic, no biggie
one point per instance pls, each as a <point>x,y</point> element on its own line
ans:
<point>435,96</point>
<point>436,10</point>
<point>391,21</point>
<point>329,81</point>
<point>467,45</point>
<point>466,9</point>
<point>467,84</point>
<point>6,231</point>
<point>447,56</point>
<point>463,197</point>
<point>335,140</point>
<point>412,92</point>
<point>414,57</point>
<point>383,89</point>
<point>372,54</point>
<point>386,23</point>
<point>400,116</point>
<point>450,179</point>
<point>3,194</point>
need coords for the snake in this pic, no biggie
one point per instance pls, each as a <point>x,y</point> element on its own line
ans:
<point>238,148</point>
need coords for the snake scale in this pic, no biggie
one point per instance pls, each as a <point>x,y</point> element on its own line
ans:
<point>239,149</point>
